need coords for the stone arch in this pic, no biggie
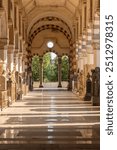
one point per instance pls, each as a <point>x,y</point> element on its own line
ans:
<point>46,14</point>
<point>50,18</point>
<point>49,26</point>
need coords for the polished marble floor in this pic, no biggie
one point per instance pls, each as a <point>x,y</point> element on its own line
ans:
<point>50,120</point>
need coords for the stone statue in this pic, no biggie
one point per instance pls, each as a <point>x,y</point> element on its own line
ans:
<point>96,86</point>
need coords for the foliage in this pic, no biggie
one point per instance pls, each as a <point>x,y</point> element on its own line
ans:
<point>35,68</point>
<point>65,68</point>
<point>50,68</point>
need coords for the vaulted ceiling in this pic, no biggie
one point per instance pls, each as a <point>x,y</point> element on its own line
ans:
<point>56,15</point>
<point>63,9</point>
<point>70,5</point>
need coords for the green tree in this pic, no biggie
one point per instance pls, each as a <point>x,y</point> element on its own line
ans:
<point>65,68</point>
<point>50,68</point>
<point>35,68</point>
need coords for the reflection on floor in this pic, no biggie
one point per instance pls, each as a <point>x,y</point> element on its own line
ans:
<point>50,120</point>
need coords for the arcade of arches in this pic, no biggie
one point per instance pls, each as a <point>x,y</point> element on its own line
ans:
<point>31,28</point>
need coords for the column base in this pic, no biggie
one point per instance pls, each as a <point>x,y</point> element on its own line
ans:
<point>40,86</point>
<point>59,86</point>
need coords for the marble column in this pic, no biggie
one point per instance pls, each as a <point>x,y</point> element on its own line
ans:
<point>41,71</point>
<point>16,59</point>
<point>10,57</point>
<point>24,74</point>
<point>59,72</point>
<point>96,71</point>
<point>90,52</point>
<point>97,54</point>
<point>3,76</point>
<point>16,71</point>
<point>81,74</point>
<point>81,61</point>
<point>96,39</point>
<point>20,56</point>
<point>30,80</point>
<point>11,82</point>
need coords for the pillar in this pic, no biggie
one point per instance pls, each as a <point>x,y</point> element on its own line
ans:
<point>10,57</point>
<point>41,71</point>
<point>96,47</point>
<point>81,74</point>
<point>71,69</point>
<point>16,72</point>
<point>59,72</point>
<point>3,76</point>
<point>90,52</point>
<point>20,56</point>
<point>24,70</point>
<point>96,39</point>
<point>16,60</point>
<point>30,79</point>
<point>11,68</point>
<point>81,61</point>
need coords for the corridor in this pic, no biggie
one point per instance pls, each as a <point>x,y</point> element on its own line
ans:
<point>50,120</point>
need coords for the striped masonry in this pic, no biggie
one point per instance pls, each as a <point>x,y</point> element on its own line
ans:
<point>84,42</point>
<point>89,37</point>
<point>96,30</point>
<point>80,45</point>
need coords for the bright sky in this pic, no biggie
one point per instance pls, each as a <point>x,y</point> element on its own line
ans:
<point>53,55</point>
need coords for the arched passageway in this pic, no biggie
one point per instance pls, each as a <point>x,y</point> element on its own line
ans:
<point>50,70</point>
<point>29,32</point>
<point>55,71</point>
